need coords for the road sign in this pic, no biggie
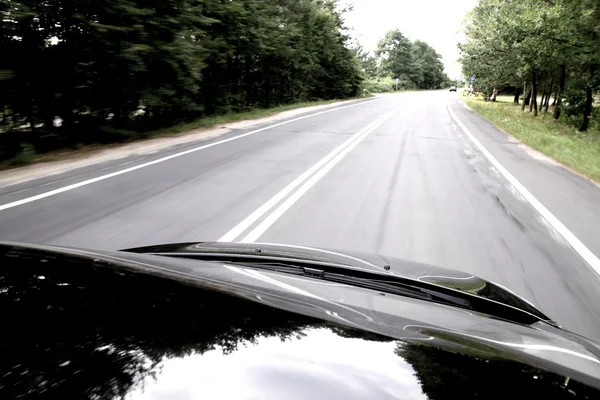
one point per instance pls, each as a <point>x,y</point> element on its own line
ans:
<point>473,79</point>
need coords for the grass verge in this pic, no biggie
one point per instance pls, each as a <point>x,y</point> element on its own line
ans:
<point>209,122</point>
<point>28,155</point>
<point>561,141</point>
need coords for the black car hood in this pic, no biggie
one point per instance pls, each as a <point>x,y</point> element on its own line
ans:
<point>108,325</point>
<point>447,278</point>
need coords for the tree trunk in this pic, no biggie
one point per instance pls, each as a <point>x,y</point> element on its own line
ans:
<point>31,120</point>
<point>533,101</point>
<point>542,100</point>
<point>48,122</point>
<point>549,94</point>
<point>555,96</point>
<point>561,88</point>
<point>517,94</point>
<point>589,98</point>
<point>146,118</point>
<point>526,99</point>
<point>531,97</point>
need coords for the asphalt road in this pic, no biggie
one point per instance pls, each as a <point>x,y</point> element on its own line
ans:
<point>396,175</point>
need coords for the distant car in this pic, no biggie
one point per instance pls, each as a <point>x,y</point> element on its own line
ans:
<point>453,88</point>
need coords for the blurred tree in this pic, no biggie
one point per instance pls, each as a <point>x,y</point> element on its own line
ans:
<point>428,69</point>
<point>416,64</point>
<point>465,371</point>
<point>395,53</point>
<point>546,47</point>
<point>138,65</point>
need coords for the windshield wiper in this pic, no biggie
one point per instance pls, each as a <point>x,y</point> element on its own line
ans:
<point>382,282</point>
<point>320,273</point>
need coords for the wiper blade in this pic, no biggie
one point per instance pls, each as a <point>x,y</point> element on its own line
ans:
<point>374,280</point>
<point>374,284</point>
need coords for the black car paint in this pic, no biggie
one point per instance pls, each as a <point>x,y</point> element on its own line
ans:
<point>105,325</point>
<point>421,275</point>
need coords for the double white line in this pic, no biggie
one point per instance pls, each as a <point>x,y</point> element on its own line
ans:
<point>292,192</point>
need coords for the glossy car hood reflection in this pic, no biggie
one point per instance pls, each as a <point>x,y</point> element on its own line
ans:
<point>107,325</point>
<point>314,363</point>
<point>447,278</point>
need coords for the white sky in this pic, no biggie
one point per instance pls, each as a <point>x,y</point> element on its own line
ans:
<point>318,366</point>
<point>436,22</point>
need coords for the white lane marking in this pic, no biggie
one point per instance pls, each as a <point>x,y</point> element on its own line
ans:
<point>585,253</point>
<point>163,159</point>
<point>256,215</point>
<point>283,207</point>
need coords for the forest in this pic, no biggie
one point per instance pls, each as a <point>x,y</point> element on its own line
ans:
<point>546,52</point>
<point>74,73</point>
<point>105,67</point>
<point>415,64</point>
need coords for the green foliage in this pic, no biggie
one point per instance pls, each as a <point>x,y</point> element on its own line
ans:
<point>574,97</point>
<point>395,52</point>
<point>138,65</point>
<point>560,140</point>
<point>24,156</point>
<point>416,64</point>
<point>380,85</point>
<point>427,66</point>
<point>551,46</point>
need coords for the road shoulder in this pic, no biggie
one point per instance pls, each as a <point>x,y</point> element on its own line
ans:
<point>123,154</point>
<point>572,198</point>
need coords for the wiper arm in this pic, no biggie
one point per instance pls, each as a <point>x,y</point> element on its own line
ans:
<point>400,288</point>
<point>382,282</point>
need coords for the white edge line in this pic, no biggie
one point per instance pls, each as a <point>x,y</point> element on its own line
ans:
<point>283,207</point>
<point>585,253</point>
<point>258,213</point>
<point>124,171</point>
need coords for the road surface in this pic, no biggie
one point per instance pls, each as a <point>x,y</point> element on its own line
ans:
<point>397,175</point>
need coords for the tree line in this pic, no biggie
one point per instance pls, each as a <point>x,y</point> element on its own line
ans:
<point>546,49</point>
<point>107,65</point>
<point>416,65</point>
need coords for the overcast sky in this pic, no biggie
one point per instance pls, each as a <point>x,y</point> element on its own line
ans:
<point>436,22</point>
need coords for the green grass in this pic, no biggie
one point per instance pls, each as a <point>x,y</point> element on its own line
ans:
<point>25,156</point>
<point>473,288</point>
<point>28,154</point>
<point>559,140</point>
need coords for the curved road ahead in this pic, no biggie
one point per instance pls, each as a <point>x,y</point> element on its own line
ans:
<point>397,175</point>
